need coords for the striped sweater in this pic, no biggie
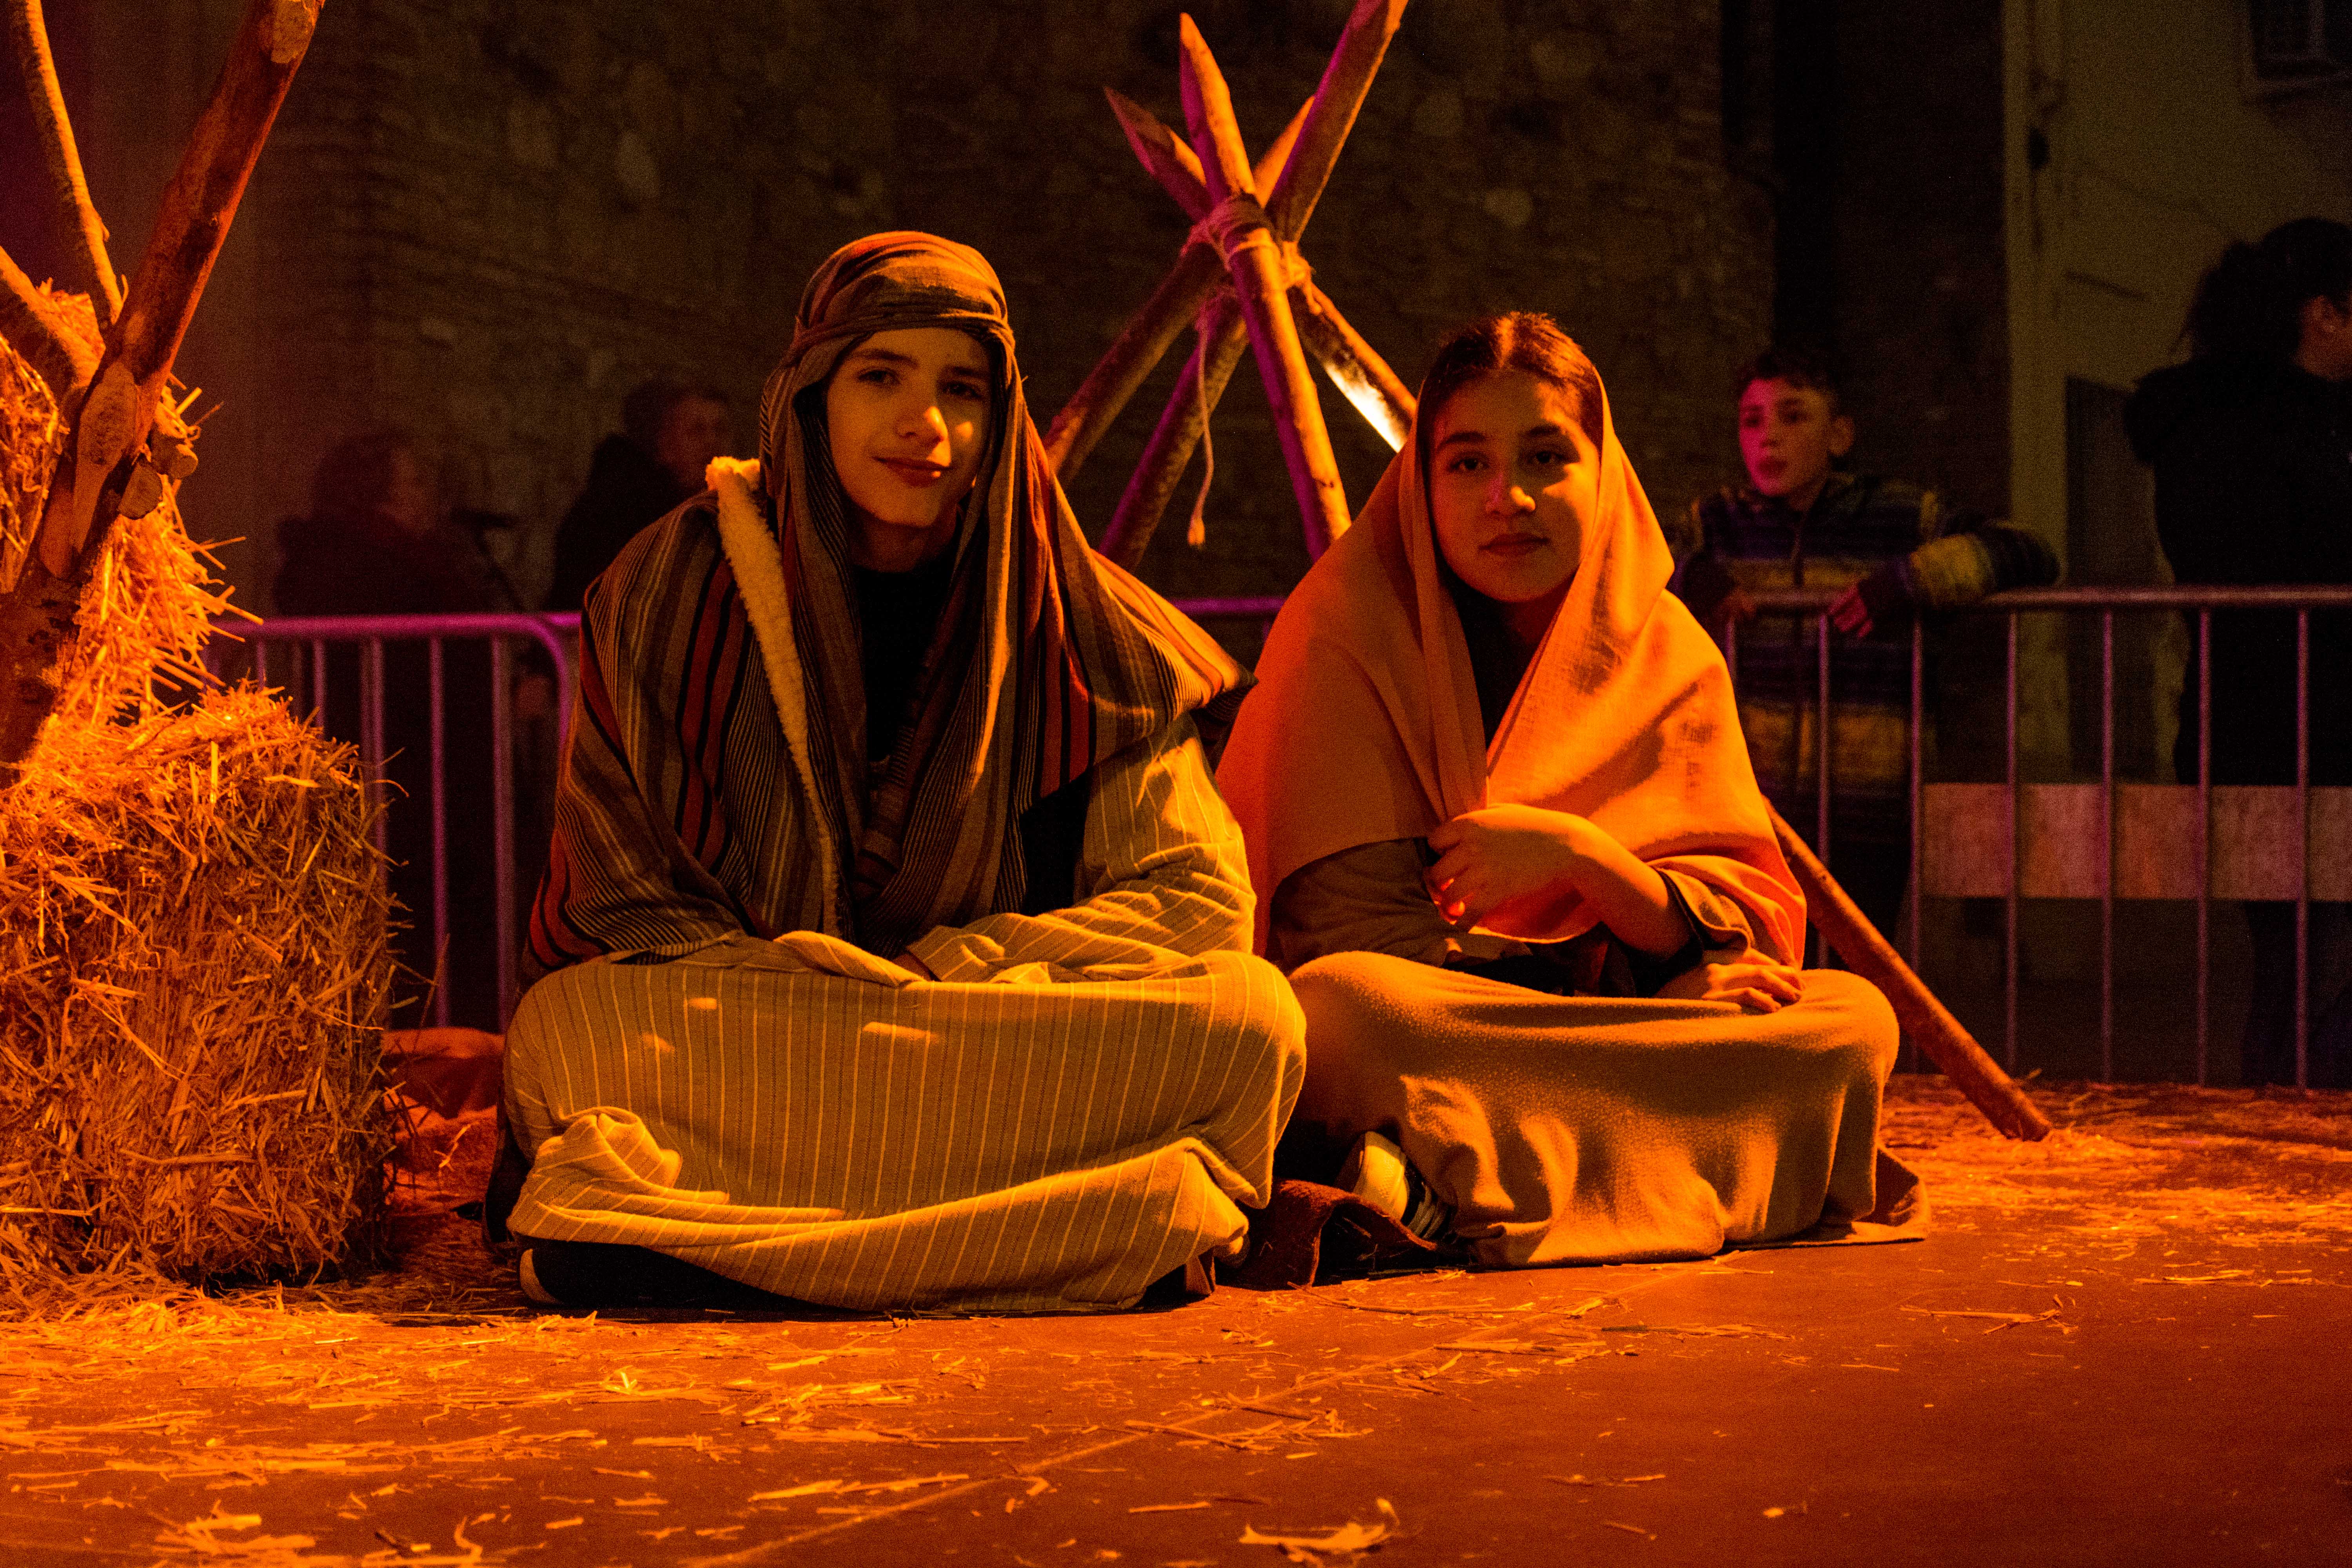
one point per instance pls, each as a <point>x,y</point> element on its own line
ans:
<point>1911,552</point>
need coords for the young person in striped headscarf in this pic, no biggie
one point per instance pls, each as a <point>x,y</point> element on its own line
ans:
<point>1517,865</point>
<point>900,938</point>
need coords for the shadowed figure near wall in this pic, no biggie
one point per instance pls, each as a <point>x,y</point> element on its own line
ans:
<point>378,542</point>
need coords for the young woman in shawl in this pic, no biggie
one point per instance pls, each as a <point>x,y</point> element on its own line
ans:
<point>1515,859</point>
<point>900,937</point>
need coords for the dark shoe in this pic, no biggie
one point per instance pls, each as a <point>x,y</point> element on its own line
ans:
<point>506,1175</point>
<point>603,1274</point>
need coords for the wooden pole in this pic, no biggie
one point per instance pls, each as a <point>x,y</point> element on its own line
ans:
<point>1362,376</point>
<point>1262,285</point>
<point>1171,161</point>
<point>37,629</point>
<point>1307,150</point>
<point>1140,345</point>
<point>29,36</point>
<point>1929,1024</point>
<point>1223,339</point>
<point>1332,114</point>
<point>1276,156</point>
<point>198,205</point>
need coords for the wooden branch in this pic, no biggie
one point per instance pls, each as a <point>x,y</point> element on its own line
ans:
<point>198,209</point>
<point>31,324</point>
<point>30,35</point>
<point>37,615</point>
<point>1190,404</point>
<point>1140,346</point>
<point>1170,159</point>
<point>1165,156</point>
<point>1262,284</point>
<point>1276,156</point>
<point>1355,367</point>
<point>1929,1024</point>
<point>1332,114</point>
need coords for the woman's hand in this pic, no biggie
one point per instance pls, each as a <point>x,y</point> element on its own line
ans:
<point>1522,870</point>
<point>1757,985</point>
<point>1501,855</point>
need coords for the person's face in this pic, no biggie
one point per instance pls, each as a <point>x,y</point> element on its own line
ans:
<point>1512,483</point>
<point>694,431</point>
<point>907,415</point>
<point>407,499</point>
<point>2326,346</point>
<point>1788,434</point>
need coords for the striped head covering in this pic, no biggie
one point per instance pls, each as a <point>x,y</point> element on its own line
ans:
<point>1047,661</point>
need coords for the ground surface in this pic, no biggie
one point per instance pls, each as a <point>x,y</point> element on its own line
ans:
<point>2124,1346</point>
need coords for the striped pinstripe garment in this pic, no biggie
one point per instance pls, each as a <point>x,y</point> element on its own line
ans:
<point>729,1064</point>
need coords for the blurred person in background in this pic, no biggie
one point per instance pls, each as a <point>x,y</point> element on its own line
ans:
<point>2251,440</point>
<point>378,541</point>
<point>669,433</point>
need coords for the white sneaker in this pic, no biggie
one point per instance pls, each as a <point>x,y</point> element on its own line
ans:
<point>1376,1172</point>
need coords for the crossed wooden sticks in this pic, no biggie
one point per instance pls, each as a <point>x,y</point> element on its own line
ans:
<point>1236,281</point>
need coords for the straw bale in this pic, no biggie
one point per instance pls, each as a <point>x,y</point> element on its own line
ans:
<point>194,970</point>
<point>194,975</point>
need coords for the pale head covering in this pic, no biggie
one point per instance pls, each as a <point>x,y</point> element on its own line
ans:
<point>1048,659</point>
<point>1365,724</point>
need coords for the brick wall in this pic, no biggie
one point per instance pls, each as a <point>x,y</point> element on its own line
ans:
<point>486,219</point>
<point>1922,295</point>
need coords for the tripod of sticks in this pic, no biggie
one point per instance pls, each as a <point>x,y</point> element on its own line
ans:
<point>1240,280</point>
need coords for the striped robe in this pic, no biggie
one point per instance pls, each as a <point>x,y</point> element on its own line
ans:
<point>1082,1103</point>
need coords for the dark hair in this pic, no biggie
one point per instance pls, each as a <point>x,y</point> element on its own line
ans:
<point>1525,341</point>
<point>648,407</point>
<point>2251,302</point>
<point>1797,363</point>
<point>354,477</point>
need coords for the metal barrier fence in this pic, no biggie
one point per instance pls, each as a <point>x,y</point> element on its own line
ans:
<point>2111,840</point>
<point>2012,841</point>
<point>292,652</point>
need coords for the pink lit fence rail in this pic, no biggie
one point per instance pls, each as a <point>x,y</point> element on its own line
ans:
<point>292,652</point>
<point>2107,840</point>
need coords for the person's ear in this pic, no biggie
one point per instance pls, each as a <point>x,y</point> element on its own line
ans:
<point>1841,434</point>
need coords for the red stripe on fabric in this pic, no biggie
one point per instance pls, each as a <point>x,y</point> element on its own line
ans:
<point>595,698</point>
<point>726,687</point>
<point>554,942</point>
<point>701,752</point>
<point>715,828</point>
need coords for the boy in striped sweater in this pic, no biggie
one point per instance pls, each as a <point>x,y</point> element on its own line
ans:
<point>1894,550</point>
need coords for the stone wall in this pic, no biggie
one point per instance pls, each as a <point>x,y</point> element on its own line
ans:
<point>486,219</point>
<point>1923,285</point>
